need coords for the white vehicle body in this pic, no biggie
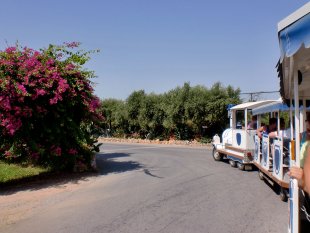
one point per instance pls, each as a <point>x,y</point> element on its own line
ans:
<point>294,73</point>
<point>237,143</point>
<point>272,159</point>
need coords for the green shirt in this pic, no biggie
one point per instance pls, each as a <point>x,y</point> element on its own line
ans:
<point>303,153</point>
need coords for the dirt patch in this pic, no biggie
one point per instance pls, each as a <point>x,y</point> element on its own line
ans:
<point>192,143</point>
<point>19,201</point>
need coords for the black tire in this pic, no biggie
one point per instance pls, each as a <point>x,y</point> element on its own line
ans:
<point>240,166</point>
<point>261,175</point>
<point>283,194</point>
<point>232,163</point>
<point>217,156</point>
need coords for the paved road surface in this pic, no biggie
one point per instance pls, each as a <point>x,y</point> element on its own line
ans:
<point>166,189</point>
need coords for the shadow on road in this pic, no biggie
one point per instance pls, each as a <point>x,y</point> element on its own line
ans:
<point>103,156</point>
<point>106,163</point>
<point>48,180</point>
<point>147,172</point>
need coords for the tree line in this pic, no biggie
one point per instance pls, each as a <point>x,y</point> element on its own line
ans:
<point>183,113</point>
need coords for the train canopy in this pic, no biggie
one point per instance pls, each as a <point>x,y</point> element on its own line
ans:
<point>251,105</point>
<point>294,40</point>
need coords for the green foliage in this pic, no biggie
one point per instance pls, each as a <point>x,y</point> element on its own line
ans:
<point>219,98</point>
<point>183,113</point>
<point>115,117</point>
<point>10,172</point>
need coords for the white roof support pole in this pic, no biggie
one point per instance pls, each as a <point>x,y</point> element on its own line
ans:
<point>303,116</point>
<point>246,118</point>
<point>278,123</point>
<point>230,118</point>
<point>291,119</point>
<point>259,121</point>
<point>297,117</point>
<point>294,199</point>
<point>233,119</point>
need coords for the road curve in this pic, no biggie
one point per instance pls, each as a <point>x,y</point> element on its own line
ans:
<point>156,188</point>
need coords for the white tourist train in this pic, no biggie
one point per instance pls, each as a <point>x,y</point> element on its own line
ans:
<point>243,148</point>
<point>237,142</point>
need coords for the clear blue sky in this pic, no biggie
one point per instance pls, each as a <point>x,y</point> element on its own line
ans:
<point>158,45</point>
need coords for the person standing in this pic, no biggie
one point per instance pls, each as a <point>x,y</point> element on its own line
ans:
<point>302,174</point>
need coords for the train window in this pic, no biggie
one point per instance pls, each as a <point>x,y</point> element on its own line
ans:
<point>239,119</point>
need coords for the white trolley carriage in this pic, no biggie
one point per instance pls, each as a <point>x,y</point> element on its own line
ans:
<point>272,159</point>
<point>237,143</point>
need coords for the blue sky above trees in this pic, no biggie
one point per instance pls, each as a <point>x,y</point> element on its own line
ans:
<point>158,45</point>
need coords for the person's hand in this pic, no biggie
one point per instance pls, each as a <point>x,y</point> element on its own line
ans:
<point>297,173</point>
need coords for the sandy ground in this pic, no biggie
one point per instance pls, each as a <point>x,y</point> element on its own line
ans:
<point>21,201</point>
<point>192,143</point>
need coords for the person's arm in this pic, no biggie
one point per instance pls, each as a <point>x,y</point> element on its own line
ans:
<point>302,175</point>
<point>259,131</point>
<point>273,134</point>
<point>307,172</point>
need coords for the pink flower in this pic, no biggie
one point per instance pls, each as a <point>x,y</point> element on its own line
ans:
<point>7,154</point>
<point>72,44</point>
<point>10,49</point>
<point>5,103</point>
<point>41,92</point>
<point>22,89</point>
<point>94,104</point>
<point>56,150</point>
<point>70,66</point>
<point>27,111</point>
<point>35,155</point>
<point>62,85</point>
<point>17,110</point>
<point>50,62</point>
<point>26,80</point>
<point>53,101</point>
<point>12,126</point>
<point>72,151</point>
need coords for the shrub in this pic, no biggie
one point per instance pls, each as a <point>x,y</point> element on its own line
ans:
<point>47,106</point>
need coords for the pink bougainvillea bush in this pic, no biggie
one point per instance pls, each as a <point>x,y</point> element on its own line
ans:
<point>48,112</point>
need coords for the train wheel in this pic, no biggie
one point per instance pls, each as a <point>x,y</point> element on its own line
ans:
<point>261,175</point>
<point>240,166</point>
<point>232,163</point>
<point>283,194</point>
<point>217,155</point>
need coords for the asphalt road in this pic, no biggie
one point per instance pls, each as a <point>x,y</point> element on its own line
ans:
<point>167,189</point>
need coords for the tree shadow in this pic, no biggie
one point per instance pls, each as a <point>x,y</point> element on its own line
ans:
<point>103,156</point>
<point>45,180</point>
<point>106,163</point>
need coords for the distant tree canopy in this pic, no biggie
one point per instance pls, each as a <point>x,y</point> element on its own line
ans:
<point>183,113</point>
